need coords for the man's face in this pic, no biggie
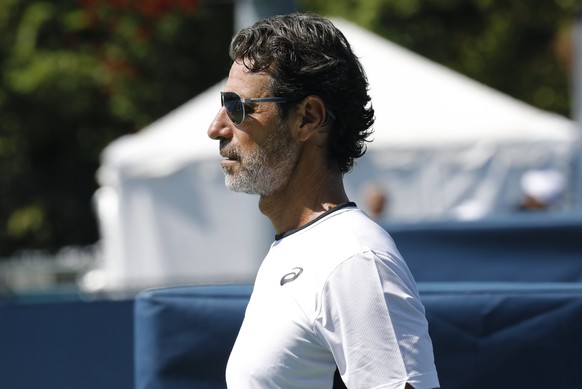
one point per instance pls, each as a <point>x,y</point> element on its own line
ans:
<point>260,153</point>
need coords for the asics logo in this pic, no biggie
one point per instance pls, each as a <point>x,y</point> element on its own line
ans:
<point>291,276</point>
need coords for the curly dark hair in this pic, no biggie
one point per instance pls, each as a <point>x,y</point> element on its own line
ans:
<point>307,55</point>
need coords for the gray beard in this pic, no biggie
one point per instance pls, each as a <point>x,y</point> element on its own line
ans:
<point>268,168</point>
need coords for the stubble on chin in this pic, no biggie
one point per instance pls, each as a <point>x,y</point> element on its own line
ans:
<point>266,169</point>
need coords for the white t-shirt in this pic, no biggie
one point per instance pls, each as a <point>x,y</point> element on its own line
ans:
<point>334,292</point>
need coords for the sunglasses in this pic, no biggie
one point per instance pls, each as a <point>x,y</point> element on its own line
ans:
<point>235,105</point>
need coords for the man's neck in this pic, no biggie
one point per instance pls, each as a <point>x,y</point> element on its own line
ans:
<point>302,201</point>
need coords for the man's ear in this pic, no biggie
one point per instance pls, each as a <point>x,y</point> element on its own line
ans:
<point>311,117</point>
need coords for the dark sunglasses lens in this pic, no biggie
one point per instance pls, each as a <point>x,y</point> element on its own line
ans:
<point>234,107</point>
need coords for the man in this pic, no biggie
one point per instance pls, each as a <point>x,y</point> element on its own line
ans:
<point>333,289</point>
<point>541,190</point>
<point>375,201</point>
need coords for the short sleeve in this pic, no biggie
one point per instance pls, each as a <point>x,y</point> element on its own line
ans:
<point>371,318</point>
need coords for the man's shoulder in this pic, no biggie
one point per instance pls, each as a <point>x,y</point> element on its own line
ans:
<point>354,230</point>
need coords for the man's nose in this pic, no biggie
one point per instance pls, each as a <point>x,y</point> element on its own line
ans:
<point>221,126</point>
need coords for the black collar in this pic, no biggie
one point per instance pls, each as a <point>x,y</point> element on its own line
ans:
<point>329,211</point>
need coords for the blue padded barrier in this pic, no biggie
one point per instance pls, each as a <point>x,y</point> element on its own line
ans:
<point>183,335</point>
<point>64,342</point>
<point>506,335</point>
<point>530,248</point>
<point>485,335</point>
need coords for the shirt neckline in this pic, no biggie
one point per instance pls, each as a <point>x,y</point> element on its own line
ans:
<point>311,222</point>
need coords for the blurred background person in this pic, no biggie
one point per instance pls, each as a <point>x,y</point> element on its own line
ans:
<point>375,201</point>
<point>542,190</point>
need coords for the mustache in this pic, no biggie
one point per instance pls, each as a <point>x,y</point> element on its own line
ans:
<point>228,150</point>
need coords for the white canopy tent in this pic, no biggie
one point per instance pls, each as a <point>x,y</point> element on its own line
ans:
<point>440,140</point>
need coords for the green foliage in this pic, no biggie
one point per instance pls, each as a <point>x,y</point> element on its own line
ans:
<point>510,45</point>
<point>74,75</point>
